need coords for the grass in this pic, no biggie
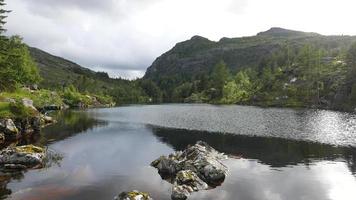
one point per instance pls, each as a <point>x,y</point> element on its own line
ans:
<point>15,110</point>
<point>43,98</point>
<point>5,111</point>
<point>40,97</point>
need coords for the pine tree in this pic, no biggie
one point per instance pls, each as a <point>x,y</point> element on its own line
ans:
<point>3,16</point>
<point>220,76</point>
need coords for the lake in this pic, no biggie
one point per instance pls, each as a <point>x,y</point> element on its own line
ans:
<point>274,153</point>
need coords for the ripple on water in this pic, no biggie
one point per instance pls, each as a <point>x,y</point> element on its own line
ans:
<point>331,127</point>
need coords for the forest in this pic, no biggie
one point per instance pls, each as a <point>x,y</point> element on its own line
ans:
<point>303,77</point>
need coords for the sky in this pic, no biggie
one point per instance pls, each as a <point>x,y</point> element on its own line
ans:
<point>124,37</point>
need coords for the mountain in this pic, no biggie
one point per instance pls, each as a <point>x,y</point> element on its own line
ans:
<point>199,55</point>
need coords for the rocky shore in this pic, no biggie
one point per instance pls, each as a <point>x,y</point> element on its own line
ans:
<point>20,126</point>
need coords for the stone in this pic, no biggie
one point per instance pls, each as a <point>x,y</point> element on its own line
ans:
<point>194,169</point>
<point>9,129</point>
<point>2,137</point>
<point>34,87</point>
<point>10,100</point>
<point>48,119</point>
<point>28,103</point>
<point>185,183</point>
<point>133,195</point>
<point>29,155</point>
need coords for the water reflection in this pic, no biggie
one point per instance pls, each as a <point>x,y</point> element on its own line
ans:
<point>113,154</point>
<point>275,152</point>
<point>69,124</point>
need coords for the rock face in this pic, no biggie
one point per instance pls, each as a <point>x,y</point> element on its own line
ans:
<point>133,195</point>
<point>196,168</point>
<point>8,129</point>
<point>22,157</point>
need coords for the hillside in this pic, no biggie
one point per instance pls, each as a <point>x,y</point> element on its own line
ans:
<point>199,55</point>
<point>57,73</point>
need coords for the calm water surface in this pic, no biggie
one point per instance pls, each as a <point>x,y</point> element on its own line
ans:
<point>286,154</point>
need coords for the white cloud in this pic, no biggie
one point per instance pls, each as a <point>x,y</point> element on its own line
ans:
<point>124,37</point>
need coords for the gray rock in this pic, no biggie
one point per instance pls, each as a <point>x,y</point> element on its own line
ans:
<point>10,100</point>
<point>196,168</point>
<point>48,119</point>
<point>9,129</point>
<point>186,182</point>
<point>133,195</point>
<point>2,137</point>
<point>28,103</point>
<point>28,155</point>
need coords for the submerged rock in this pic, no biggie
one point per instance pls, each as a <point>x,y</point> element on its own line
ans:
<point>133,195</point>
<point>22,157</point>
<point>196,168</point>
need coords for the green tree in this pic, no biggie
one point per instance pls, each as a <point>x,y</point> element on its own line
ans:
<point>152,90</point>
<point>239,90</point>
<point>220,76</point>
<point>3,16</point>
<point>351,56</point>
<point>181,92</point>
<point>16,65</point>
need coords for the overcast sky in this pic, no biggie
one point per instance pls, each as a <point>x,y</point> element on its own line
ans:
<point>123,37</point>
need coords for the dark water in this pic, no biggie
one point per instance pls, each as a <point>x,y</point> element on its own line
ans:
<point>286,154</point>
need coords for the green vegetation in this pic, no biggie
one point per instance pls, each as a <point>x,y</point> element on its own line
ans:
<point>40,98</point>
<point>15,110</point>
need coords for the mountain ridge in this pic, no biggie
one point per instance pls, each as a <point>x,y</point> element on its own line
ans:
<point>199,54</point>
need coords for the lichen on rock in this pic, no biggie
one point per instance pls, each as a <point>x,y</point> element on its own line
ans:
<point>194,169</point>
<point>133,195</point>
<point>17,157</point>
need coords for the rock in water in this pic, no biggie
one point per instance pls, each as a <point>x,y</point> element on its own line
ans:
<point>133,195</point>
<point>196,168</point>
<point>21,157</point>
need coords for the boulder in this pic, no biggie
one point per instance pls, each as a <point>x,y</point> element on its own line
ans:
<point>196,168</point>
<point>133,195</point>
<point>28,103</point>
<point>9,129</point>
<point>2,138</point>
<point>48,119</point>
<point>10,100</point>
<point>185,183</point>
<point>28,156</point>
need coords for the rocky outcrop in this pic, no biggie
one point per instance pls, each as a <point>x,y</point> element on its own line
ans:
<point>8,129</point>
<point>22,157</point>
<point>133,195</point>
<point>196,168</point>
<point>19,126</point>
